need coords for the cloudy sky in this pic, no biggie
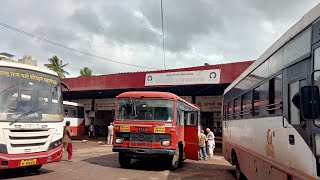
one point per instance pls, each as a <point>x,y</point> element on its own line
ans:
<point>196,31</point>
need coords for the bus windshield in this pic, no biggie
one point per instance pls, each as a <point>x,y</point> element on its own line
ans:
<point>28,95</point>
<point>145,109</point>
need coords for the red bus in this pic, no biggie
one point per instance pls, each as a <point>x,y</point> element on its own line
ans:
<point>155,125</point>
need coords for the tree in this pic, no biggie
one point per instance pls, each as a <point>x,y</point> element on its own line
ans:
<point>85,71</point>
<point>57,66</point>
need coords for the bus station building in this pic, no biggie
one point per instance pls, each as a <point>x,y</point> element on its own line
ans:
<point>201,85</point>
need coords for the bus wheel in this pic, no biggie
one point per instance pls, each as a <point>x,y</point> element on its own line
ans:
<point>239,174</point>
<point>124,160</point>
<point>174,161</point>
<point>33,168</point>
<point>181,155</point>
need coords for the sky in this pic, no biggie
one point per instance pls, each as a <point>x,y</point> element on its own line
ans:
<point>130,31</point>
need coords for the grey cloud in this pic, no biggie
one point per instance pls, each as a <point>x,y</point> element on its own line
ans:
<point>59,34</point>
<point>183,20</point>
<point>88,20</point>
<point>117,24</point>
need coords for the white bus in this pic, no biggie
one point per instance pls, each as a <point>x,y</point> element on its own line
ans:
<point>271,127</point>
<point>74,112</point>
<point>31,118</point>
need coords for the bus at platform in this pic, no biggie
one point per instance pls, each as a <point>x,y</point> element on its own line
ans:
<point>157,125</point>
<point>31,118</point>
<point>74,112</point>
<point>271,122</point>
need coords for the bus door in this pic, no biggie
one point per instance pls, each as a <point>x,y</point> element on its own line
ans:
<point>191,135</point>
<point>297,130</point>
<point>315,132</point>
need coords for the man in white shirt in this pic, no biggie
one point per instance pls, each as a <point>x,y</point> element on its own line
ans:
<point>211,143</point>
<point>91,131</point>
<point>110,133</point>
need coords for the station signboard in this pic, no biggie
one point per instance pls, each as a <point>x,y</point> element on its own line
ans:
<point>211,76</point>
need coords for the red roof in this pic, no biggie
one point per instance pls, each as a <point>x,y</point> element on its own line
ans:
<point>229,72</point>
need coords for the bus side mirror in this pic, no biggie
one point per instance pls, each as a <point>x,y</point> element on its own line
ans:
<point>309,102</point>
<point>65,85</point>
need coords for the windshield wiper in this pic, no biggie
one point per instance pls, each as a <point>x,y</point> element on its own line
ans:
<point>26,113</point>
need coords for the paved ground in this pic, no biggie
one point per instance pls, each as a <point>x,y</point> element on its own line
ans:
<point>93,161</point>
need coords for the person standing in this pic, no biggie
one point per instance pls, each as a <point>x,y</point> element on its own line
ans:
<point>91,131</point>
<point>110,133</point>
<point>211,142</point>
<point>66,140</point>
<point>202,145</point>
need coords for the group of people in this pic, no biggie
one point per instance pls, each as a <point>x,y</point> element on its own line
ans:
<point>67,133</point>
<point>204,142</point>
<point>93,132</point>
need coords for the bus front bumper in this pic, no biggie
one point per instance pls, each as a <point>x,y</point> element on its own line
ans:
<point>8,161</point>
<point>144,152</point>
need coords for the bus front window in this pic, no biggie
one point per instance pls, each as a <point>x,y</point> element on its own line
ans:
<point>23,91</point>
<point>145,109</point>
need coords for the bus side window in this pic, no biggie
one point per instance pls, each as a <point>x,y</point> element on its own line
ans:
<point>192,119</point>
<point>275,95</point>
<point>294,111</point>
<point>246,104</point>
<point>256,99</point>
<point>66,112</point>
<point>228,111</point>
<point>181,118</point>
<point>271,105</point>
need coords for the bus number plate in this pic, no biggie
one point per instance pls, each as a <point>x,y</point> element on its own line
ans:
<point>124,128</point>
<point>159,129</point>
<point>28,162</point>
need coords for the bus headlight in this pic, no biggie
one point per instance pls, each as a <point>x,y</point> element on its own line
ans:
<point>55,144</point>
<point>3,149</point>
<point>119,140</point>
<point>165,143</point>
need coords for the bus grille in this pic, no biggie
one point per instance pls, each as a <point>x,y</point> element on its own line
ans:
<point>143,137</point>
<point>27,138</point>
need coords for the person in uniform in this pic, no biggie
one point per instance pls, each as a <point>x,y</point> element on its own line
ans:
<point>211,143</point>
<point>110,133</point>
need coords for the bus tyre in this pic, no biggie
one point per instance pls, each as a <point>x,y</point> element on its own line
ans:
<point>181,156</point>
<point>124,161</point>
<point>33,168</point>
<point>239,174</point>
<point>174,161</point>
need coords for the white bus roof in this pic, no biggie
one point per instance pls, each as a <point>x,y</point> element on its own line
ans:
<point>72,104</point>
<point>311,16</point>
<point>28,67</point>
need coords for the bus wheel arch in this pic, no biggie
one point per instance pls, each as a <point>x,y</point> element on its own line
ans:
<point>235,162</point>
<point>233,157</point>
<point>181,153</point>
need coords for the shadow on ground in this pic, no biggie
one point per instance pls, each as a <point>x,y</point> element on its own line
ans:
<point>111,160</point>
<point>190,170</point>
<point>21,172</point>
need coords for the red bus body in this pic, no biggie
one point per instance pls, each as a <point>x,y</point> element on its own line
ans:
<point>144,138</point>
